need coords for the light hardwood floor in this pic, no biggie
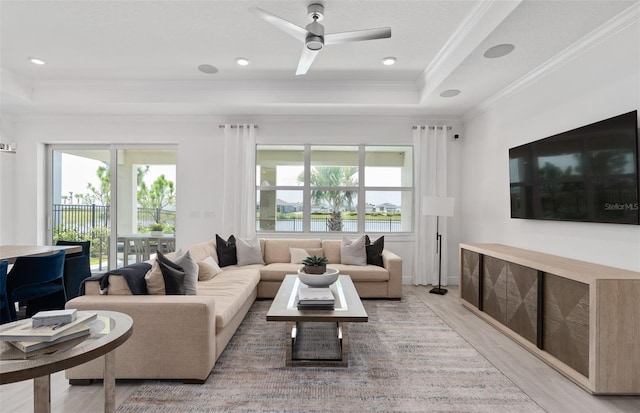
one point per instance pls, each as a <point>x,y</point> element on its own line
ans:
<point>552,391</point>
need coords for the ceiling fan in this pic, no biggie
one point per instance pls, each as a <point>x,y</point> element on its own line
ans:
<point>313,35</point>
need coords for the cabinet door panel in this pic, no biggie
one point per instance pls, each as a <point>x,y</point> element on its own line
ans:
<point>566,321</point>
<point>470,276</point>
<point>494,288</point>
<point>522,301</point>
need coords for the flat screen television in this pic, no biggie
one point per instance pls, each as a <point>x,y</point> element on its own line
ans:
<point>588,174</point>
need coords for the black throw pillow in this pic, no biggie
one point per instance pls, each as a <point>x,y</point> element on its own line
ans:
<point>226,251</point>
<point>173,279</point>
<point>160,257</point>
<point>374,251</point>
<point>173,275</point>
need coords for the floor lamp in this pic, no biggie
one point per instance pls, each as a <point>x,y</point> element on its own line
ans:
<point>438,206</point>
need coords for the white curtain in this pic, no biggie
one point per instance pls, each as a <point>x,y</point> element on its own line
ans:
<point>430,146</point>
<point>239,189</point>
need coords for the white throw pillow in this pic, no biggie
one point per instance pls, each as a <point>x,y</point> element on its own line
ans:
<point>353,252</point>
<point>208,268</point>
<point>248,251</point>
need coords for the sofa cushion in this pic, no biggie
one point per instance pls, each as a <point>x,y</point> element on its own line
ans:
<point>277,271</point>
<point>207,269</point>
<point>117,286</point>
<point>353,252</point>
<point>331,249</point>
<point>363,272</point>
<point>374,250</point>
<point>231,289</point>
<point>226,250</point>
<point>277,250</point>
<point>202,250</point>
<point>248,252</point>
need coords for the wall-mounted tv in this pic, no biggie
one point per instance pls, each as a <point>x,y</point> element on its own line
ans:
<point>588,174</point>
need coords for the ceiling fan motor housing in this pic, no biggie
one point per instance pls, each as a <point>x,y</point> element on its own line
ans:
<point>315,38</point>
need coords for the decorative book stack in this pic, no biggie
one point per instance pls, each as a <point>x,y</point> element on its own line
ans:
<point>48,331</point>
<point>315,299</point>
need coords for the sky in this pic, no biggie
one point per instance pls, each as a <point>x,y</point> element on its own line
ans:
<point>78,171</point>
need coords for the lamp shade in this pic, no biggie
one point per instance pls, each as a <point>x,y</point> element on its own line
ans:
<point>440,206</point>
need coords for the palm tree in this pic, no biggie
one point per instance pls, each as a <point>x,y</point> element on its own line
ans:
<point>333,176</point>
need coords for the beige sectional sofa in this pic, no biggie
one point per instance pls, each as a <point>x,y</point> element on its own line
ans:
<point>182,336</point>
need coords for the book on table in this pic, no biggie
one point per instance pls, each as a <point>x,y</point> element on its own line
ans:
<point>30,347</point>
<point>315,298</point>
<point>26,332</point>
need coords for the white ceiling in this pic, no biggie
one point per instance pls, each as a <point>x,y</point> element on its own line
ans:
<point>141,57</point>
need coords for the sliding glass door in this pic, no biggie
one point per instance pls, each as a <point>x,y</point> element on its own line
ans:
<point>96,189</point>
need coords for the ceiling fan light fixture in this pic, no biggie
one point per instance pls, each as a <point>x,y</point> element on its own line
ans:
<point>36,61</point>
<point>242,61</point>
<point>388,61</point>
<point>314,42</point>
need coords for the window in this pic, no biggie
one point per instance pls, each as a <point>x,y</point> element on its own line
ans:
<point>83,184</point>
<point>323,188</point>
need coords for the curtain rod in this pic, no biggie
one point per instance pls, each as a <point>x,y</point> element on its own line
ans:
<point>235,126</point>
<point>430,127</point>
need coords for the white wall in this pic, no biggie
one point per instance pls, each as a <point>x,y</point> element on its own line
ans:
<point>600,83</point>
<point>199,167</point>
<point>7,161</point>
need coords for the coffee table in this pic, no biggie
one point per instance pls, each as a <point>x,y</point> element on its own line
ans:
<point>108,331</point>
<point>317,337</point>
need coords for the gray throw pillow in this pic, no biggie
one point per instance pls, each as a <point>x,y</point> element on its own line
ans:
<point>190,267</point>
<point>353,252</point>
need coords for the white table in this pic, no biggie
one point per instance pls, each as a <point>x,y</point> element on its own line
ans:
<point>140,245</point>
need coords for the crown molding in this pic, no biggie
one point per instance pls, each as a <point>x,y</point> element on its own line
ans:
<point>612,27</point>
<point>479,23</point>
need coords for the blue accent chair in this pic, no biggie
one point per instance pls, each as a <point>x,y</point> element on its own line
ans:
<point>5,315</point>
<point>34,277</point>
<point>77,267</point>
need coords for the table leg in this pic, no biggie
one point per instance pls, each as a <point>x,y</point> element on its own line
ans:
<point>42,394</point>
<point>109,382</point>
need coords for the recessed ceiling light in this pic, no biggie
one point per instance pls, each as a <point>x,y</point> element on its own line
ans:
<point>36,61</point>
<point>208,69</point>
<point>450,93</point>
<point>388,61</point>
<point>499,51</point>
<point>242,61</point>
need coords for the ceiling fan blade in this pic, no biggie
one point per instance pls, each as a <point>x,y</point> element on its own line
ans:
<point>282,24</point>
<point>305,61</point>
<point>357,35</point>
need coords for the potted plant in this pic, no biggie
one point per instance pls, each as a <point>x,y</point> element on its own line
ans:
<point>315,265</point>
<point>156,228</point>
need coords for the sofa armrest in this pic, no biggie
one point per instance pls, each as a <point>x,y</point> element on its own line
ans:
<point>173,336</point>
<point>393,264</point>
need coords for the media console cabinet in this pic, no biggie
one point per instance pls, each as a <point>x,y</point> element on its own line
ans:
<point>581,318</point>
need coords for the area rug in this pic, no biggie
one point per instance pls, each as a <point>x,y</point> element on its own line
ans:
<point>404,359</point>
